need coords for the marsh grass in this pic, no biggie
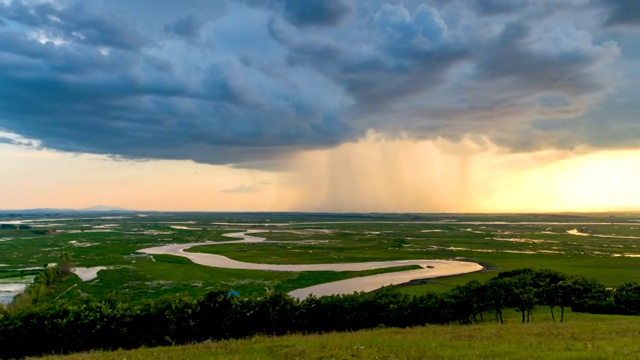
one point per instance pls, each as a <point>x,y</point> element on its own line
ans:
<point>172,275</point>
<point>500,242</point>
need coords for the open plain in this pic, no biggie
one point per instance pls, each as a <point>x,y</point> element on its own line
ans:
<point>108,249</point>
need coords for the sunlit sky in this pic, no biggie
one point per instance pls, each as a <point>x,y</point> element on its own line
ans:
<point>320,105</point>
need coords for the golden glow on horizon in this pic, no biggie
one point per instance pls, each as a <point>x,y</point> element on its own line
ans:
<point>601,181</point>
<point>50,179</point>
<point>370,176</point>
<point>440,176</point>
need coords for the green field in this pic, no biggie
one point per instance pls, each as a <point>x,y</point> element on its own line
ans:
<point>583,337</point>
<point>600,246</point>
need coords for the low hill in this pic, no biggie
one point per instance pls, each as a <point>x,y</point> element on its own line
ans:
<point>104,208</point>
<point>585,337</point>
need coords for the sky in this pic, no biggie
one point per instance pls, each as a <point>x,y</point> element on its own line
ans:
<point>321,105</point>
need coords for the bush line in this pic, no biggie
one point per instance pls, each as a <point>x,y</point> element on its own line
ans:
<point>65,326</point>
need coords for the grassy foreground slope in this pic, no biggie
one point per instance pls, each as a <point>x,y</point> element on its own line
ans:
<point>584,337</point>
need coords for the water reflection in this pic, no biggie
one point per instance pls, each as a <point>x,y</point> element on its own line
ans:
<point>11,287</point>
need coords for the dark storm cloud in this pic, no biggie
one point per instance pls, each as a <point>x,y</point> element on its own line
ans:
<point>308,12</point>
<point>75,23</point>
<point>316,12</point>
<point>18,142</point>
<point>119,102</point>
<point>420,77</point>
<point>159,119</point>
<point>622,13</point>
<point>498,7</point>
<point>252,84</point>
<point>409,55</point>
<point>539,72</point>
<point>4,140</point>
<point>188,26</point>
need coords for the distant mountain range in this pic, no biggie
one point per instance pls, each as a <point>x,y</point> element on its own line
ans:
<point>104,208</point>
<point>96,208</point>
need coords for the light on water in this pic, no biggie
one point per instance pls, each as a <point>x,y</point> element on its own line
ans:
<point>11,287</point>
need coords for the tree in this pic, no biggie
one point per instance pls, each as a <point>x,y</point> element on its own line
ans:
<point>3,311</point>
<point>522,291</point>
<point>468,301</point>
<point>565,293</point>
<point>591,296</point>
<point>499,291</point>
<point>627,298</point>
<point>65,266</point>
<point>549,291</point>
<point>215,308</point>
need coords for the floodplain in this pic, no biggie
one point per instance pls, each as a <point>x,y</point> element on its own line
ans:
<point>105,248</point>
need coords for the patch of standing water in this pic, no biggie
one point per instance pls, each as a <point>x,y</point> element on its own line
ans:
<point>11,287</point>
<point>88,274</point>
<point>184,227</point>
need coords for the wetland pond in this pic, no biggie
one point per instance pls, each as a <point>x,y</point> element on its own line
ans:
<point>11,287</point>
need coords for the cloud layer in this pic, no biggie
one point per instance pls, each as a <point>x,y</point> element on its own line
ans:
<point>250,82</point>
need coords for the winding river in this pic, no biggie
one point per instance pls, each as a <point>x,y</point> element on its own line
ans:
<point>430,268</point>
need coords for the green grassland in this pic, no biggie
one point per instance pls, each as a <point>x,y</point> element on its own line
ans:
<point>601,255</point>
<point>584,336</point>
<point>606,247</point>
<point>171,275</point>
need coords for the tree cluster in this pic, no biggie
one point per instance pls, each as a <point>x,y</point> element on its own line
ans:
<point>46,284</point>
<point>112,323</point>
